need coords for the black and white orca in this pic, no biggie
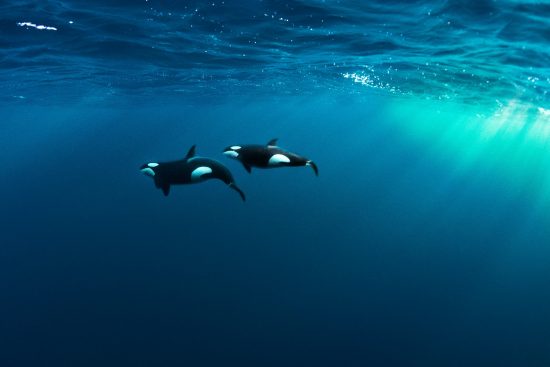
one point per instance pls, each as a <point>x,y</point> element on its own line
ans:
<point>191,169</point>
<point>267,156</point>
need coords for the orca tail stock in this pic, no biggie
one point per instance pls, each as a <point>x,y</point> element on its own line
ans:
<point>236,188</point>
<point>313,166</point>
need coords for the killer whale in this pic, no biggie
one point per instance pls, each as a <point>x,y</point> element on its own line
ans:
<point>267,156</point>
<point>189,170</point>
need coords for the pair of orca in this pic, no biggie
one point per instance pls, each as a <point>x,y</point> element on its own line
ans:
<point>194,169</point>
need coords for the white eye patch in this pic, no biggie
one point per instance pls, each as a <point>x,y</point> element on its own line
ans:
<point>278,159</point>
<point>199,172</point>
<point>235,147</point>
<point>152,165</point>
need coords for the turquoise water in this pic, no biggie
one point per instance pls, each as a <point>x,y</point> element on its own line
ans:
<point>423,242</point>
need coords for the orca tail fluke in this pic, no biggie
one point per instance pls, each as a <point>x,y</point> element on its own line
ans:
<point>236,188</point>
<point>314,166</point>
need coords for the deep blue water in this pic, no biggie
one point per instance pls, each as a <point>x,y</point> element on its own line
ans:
<point>425,240</point>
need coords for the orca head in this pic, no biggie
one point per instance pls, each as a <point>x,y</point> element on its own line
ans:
<point>148,169</point>
<point>232,151</point>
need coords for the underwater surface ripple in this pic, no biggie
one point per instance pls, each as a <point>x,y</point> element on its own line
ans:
<point>478,51</point>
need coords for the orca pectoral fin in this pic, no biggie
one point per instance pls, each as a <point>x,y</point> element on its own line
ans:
<point>314,166</point>
<point>236,188</point>
<point>247,167</point>
<point>272,142</point>
<point>166,189</point>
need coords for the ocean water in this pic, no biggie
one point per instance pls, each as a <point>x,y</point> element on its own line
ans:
<point>425,240</point>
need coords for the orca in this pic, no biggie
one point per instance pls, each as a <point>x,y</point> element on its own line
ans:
<point>189,170</point>
<point>267,156</point>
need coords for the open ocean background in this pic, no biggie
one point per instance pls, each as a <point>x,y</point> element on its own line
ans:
<point>425,240</point>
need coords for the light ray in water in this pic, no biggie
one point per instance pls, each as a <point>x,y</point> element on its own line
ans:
<point>509,143</point>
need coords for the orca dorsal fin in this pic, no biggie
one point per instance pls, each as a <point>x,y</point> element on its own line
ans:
<point>272,142</point>
<point>191,152</point>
